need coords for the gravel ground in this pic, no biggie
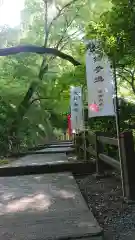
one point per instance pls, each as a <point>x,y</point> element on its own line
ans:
<point>104,198</point>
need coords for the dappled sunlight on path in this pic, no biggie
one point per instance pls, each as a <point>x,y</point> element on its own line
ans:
<point>35,193</point>
<point>43,206</point>
<point>37,202</point>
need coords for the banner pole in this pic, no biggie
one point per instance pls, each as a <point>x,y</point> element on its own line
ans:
<point>117,117</point>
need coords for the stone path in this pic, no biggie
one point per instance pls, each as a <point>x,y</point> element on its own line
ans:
<point>48,206</point>
<point>40,159</point>
<point>56,149</point>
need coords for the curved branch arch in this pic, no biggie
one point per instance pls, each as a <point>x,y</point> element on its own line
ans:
<point>38,50</point>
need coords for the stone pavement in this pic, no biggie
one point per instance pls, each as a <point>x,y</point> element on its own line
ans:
<point>40,159</point>
<point>56,149</point>
<point>48,206</point>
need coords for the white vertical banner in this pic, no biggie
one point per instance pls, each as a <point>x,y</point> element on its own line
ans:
<point>100,85</point>
<point>76,104</point>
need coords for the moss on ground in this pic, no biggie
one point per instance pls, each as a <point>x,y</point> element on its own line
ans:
<point>4,161</point>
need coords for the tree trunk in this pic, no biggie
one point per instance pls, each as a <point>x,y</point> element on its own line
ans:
<point>24,106</point>
<point>21,111</point>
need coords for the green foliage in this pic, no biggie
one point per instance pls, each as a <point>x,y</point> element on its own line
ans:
<point>28,118</point>
<point>115,30</point>
<point>34,108</point>
<point>108,124</point>
<point>4,161</point>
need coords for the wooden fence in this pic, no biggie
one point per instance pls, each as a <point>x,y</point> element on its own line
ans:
<point>94,145</point>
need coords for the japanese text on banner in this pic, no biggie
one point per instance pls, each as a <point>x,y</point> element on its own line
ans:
<point>100,85</point>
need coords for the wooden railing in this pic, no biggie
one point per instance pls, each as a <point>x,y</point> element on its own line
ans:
<point>94,144</point>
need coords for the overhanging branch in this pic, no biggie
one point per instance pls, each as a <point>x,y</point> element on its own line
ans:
<point>38,50</point>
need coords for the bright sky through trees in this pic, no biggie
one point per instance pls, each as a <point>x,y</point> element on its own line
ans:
<point>10,12</point>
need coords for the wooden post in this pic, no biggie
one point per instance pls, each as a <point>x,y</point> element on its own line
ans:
<point>128,161</point>
<point>101,167</point>
<point>87,145</point>
<point>81,150</point>
<point>76,145</point>
<point>99,149</point>
<point>84,146</point>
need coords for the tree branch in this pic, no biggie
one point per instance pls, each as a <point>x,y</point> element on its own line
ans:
<point>59,12</point>
<point>46,98</point>
<point>38,99</point>
<point>46,23</point>
<point>48,28</point>
<point>63,45</point>
<point>65,31</point>
<point>44,66</point>
<point>130,83</point>
<point>66,39</point>
<point>38,50</point>
<point>120,75</point>
<point>133,76</point>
